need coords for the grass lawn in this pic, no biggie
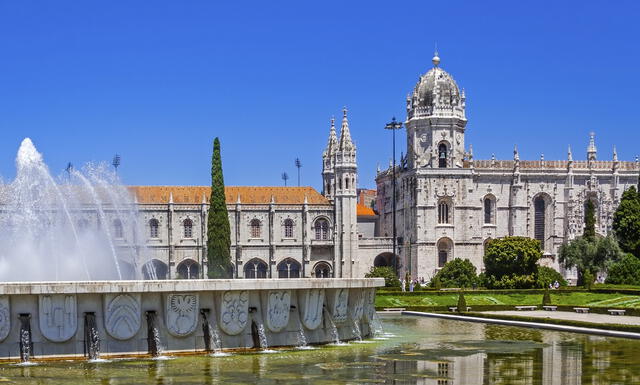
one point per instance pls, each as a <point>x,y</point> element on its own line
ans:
<point>587,299</point>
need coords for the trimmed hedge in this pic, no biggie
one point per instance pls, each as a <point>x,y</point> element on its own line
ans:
<point>481,308</point>
<point>485,291</point>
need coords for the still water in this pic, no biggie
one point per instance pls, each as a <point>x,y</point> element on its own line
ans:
<point>420,351</point>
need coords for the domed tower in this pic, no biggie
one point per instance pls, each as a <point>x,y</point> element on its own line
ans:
<point>436,121</point>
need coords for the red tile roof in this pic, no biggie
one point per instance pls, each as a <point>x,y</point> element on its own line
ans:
<point>248,194</point>
<point>365,211</point>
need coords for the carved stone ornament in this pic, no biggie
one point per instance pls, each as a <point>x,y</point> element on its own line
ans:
<point>5,317</point>
<point>369,304</point>
<point>340,305</point>
<point>122,315</point>
<point>181,314</point>
<point>311,302</point>
<point>278,306</point>
<point>234,311</point>
<point>58,316</point>
<point>356,304</point>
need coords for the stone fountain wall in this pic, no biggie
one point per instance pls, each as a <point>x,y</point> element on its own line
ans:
<point>282,306</point>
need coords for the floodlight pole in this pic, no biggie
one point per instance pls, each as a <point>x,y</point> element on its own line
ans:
<point>393,126</point>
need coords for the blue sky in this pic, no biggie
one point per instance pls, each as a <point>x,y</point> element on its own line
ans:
<point>157,81</point>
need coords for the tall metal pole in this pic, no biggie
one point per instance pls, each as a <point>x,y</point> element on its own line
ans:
<point>393,126</point>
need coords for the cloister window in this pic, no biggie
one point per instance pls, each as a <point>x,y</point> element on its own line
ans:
<point>188,228</point>
<point>254,226</point>
<point>289,268</point>
<point>288,228</point>
<point>153,228</point>
<point>255,268</point>
<point>322,229</point>
<point>442,155</point>
<point>443,212</point>
<point>539,206</point>
<point>489,206</point>
<point>117,229</point>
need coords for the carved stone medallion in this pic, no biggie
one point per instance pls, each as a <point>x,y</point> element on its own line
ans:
<point>340,305</point>
<point>311,302</point>
<point>356,304</point>
<point>278,306</point>
<point>58,316</point>
<point>181,314</point>
<point>5,317</point>
<point>122,315</point>
<point>234,311</point>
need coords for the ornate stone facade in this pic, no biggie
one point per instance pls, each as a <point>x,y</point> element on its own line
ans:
<point>450,204</point>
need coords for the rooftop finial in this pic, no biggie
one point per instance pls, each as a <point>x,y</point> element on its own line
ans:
<point>591,150</point>
<point>569,154</point>
<point>615,154</point>
<point>344,111</point>
<point>516,154</point>
<point>436,58</point>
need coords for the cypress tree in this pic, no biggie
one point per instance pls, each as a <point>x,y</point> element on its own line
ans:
<point>589,220</point>
<point>462,303</point>
<point>218,229</point>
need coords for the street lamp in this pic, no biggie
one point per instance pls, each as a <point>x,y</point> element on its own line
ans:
<point>393,126</point>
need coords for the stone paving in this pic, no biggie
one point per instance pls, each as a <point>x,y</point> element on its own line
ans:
<point>571,316</point>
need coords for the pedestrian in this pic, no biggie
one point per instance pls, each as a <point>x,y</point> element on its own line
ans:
<point>556,285</point>
<point>411,286</point>
<point>403,284</point>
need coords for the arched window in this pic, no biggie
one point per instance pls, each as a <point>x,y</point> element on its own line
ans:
<point>188,228</point>
<point>289,268</point>
<point>155,269</point>
<point>117,229</point>
<point>442,155</point>
<point>288,228</point>
<point>321,228</point>
<point>539,206</point>
<point>445,247</point>
<point>346,182</point>
<point>255,268</point>
<point>188,269</point>
<point>254,226</point>
<point>443,212</point>
<point>322,270</point>
<point>153,228</point>
<point>489,210</point>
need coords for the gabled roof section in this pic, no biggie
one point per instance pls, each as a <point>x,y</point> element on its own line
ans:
<point>247,195</point>
<point>365,211</point>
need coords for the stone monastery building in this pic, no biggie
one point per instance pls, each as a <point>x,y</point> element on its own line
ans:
<point>448,204</point>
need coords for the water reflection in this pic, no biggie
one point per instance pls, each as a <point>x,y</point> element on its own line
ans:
<point>424,351</point>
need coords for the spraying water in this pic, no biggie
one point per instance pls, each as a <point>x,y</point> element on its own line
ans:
<point>82,227</point>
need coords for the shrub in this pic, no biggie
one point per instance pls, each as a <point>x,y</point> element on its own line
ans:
<point>457,273</point>
<point>546,298</point>
<point>587,280</point>
<point>386,272</point>
<point>435,283</point>
<point>626,271</point>
<point>548,275</point>
<point>462,303</point>
<point>512,256</point>
<point>511,282</point>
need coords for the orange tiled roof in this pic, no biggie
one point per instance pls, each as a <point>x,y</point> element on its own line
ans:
<point>248,194</point>
<point>364,211</point>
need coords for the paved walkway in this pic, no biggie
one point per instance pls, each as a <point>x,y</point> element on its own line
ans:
<point>572,316</point>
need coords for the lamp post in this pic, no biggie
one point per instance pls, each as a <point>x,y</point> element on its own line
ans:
<point>393,126</point>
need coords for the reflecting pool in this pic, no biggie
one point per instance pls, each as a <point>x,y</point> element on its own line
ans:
<point>418,351</point>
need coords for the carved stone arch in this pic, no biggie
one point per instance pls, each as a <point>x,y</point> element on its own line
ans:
<point>322,269</point>
<point>542,209</point>
<point>444,251</point>
<point>444,153</point>
<point>256,268</point>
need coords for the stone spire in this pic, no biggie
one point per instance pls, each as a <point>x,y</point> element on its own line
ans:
<point>516,154</point>
<point>591,150</point>
<point>345,136</point>
<point>332,144</point>
<point>615,154</point>
<point>616,163</point>
<point>569,158</point>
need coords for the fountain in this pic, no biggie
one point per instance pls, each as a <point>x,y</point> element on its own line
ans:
<point>66,227</point>
<point>73,257</point>
<point>91,337</point>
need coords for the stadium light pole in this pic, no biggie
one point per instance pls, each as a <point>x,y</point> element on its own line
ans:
<point>393,126</point>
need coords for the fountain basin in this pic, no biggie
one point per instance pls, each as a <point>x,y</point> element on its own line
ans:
<point>117,309</point>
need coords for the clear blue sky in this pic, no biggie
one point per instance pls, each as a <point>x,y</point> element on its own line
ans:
<point>157,81</point>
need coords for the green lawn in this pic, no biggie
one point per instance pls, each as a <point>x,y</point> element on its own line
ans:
<point>563,299</point>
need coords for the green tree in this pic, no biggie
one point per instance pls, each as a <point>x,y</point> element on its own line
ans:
<point>589,220</point>
<point>512,256</point>
<point>456,273</point>
<point>218,229</point>
<point>549,275</point>
<point>626,271</point>
<point>589,255</point>
<point>386,272</point>
<point>462,303</point>
<point>626,222</point>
